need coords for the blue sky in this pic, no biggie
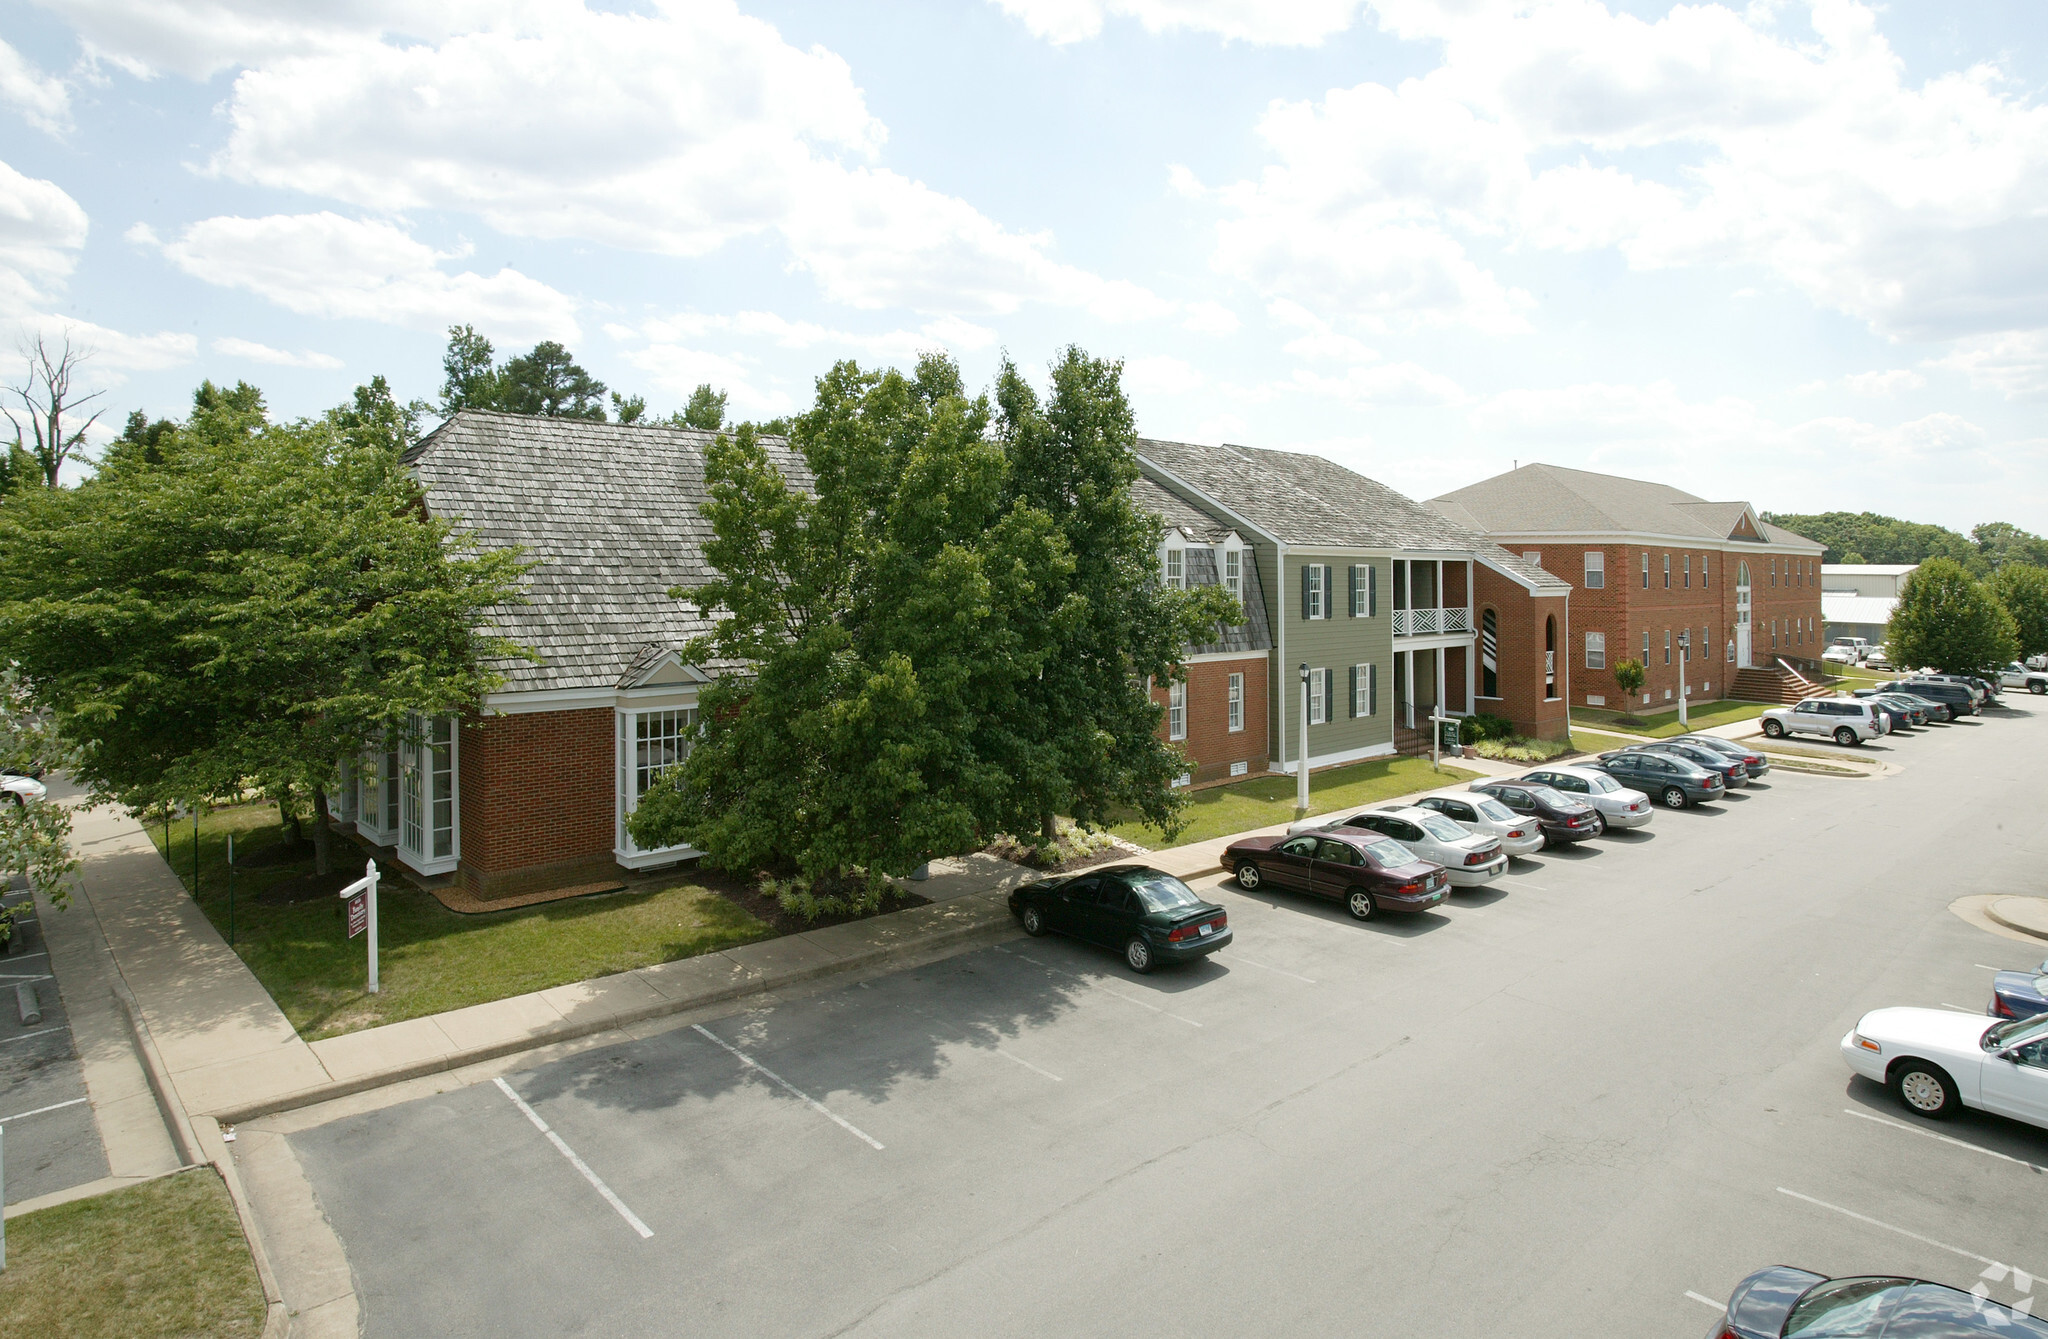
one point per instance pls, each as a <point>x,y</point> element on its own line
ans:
<point>1790,253</point>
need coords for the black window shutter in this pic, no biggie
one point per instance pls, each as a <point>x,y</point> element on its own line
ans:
<point>1372,591</point>
<point>1351,701</point>
<point>1372,690</point>
<point>1351,608</point>
<point>1305,569</point>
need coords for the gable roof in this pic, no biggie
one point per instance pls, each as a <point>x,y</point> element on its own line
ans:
<point>609,510</point>
<point>1295,498</point>
<point>1205,530</point>
<point>1541,499</point>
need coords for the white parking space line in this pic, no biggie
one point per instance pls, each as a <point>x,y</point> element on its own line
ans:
<point>1089,980</point>
<point>1708,1301</point>
<point>1254,962</point>
<point>1959,1143</point>
<point>26,1035</point>
<point>12,976</point>
<point>55,1106</point>
<point>1018,1059</point>
<point>579,1164</point>
<point>1989,968</point>
<point>790,1088</point>
<point>1960,1009</point>
<point>1914,1236</point>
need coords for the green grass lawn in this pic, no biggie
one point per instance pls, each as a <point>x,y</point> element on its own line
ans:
<point>1222,810</point>
<point>429,959</point>
<point>1664,724</point>
<point>162,1258</point>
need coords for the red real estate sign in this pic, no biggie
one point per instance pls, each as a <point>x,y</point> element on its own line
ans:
<point>358,914</point>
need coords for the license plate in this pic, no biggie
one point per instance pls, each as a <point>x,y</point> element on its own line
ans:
<point>1206,931</point>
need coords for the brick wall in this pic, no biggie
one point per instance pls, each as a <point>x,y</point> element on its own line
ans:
<point>1522,620</point>
<point>1211,745</point>
<point>537,799</point>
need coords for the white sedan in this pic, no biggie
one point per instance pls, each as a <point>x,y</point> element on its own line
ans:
<point>1482,814</point>
<point>1938,1062</point>
<point>1473,860</point>
<point>23,789</point>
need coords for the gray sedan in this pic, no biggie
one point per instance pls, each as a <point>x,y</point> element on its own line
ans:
<point>1618,806</point>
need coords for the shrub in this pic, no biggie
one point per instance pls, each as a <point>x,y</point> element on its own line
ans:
<point>1518,749</point>
<point>1071,842</point>
<point>1629,677</point>
<point>1485,725</point>
<point>857,892</point>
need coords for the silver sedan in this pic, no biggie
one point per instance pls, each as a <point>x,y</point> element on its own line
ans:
<point>1617,805</point>
<point>1489,817</point>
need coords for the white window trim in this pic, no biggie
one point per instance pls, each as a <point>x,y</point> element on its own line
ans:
<point>1236,682</point>
<point>1316,581</point>
<point>626,769</point>
<point>1596,650</point>
<point>1177,710</point>
<point>1318,697</point>
<point>1596,570</point>
<point>1232,581</point>
<point>1174,567</point>
<point>414,751</point>
<point>376,795</point>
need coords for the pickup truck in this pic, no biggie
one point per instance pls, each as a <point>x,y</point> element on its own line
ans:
<point>2017,675</point>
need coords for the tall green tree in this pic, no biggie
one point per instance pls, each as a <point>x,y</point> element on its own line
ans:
<point>470,377</point>
<point>549,382</point>
<point>2022,589</point>
<point>2001,542</point>
<point>898,615</point>
<point>246,612</point>
<point>1868,537</point>
<point>1950,620</point>
<point>705,410</point>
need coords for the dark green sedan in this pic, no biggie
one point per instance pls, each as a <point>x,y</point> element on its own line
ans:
<point>1148,914</point>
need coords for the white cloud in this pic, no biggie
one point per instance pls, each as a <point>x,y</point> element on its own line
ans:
<point>1383,384</point>
<point>1208,318</point>
<point>1261,22</point>
<point>41,231</point>
<point>675,131</point>
<point>896,347</point>
<point>1884,383</point>
<point>329,266</point>
<point>2015,365</point>
<point>1706,137</point>
<point>678,369</point>
<point>1162,375</point>
<point>263,353</point>
<point>43,101</point>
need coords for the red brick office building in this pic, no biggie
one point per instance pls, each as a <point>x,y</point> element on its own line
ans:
<point>1706,592</point>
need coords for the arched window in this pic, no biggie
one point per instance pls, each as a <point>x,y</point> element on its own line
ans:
<point>1489,654</point>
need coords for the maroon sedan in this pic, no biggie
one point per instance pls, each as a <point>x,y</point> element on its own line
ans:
<point>1368,873</point>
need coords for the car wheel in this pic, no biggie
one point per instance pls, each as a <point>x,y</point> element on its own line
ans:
<point>1138,954</point>
<point>1845,736</point>
<point>1248,877</point>
<point>1034,921</point>
<point>1599,825</point>
<point>1673,797</point>
<point>1953,714</point>
<point>1925,1089</point>
<point>2036,687</point>
<point>1774,729</point>
<point>1360,904</point>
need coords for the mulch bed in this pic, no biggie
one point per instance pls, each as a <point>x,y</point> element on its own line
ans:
<point>767,909</point>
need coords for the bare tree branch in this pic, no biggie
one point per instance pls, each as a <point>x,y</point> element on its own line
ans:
<point>47,399</point>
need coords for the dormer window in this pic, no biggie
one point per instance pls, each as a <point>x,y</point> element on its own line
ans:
<point>1176,571</point>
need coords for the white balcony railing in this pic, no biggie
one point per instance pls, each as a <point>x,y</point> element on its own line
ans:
<point>1421,622</point>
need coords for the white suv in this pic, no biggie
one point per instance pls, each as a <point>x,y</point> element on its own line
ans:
<point>1846,720</point>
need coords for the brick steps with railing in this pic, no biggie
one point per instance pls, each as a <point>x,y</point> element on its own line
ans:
<point>1777,682</point>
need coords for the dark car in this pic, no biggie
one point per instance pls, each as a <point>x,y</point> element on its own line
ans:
<point>1781,1301</point>
<point>1673,781</point>
<point>1956,699</point>
<point>1899,710</point>
<point>1753,761</point>
<point>2019,994</point>
<point>1150,915</point>
<point>1562,818</point>
<point>1734,772</point>
<point>1368,873</point>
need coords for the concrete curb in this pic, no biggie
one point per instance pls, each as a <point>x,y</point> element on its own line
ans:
<point>982,923</point>
<point>277,1317</point>
<point>153,1069</point>
<point>2032,931</point>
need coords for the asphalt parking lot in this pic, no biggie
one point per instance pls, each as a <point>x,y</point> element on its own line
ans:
<point>1583,1101</point>
<point>52,1142</point>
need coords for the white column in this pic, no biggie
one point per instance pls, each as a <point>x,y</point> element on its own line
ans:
<point>1441,710</point>
<point>1408,670</point>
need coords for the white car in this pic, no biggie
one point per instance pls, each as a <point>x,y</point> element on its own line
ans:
<point>2017,675</point>
<point>23,789</point>
<point>1488,817</point>
<point>1618,806</point>
<point>1877,659</point>
<point>1472,859</point>
<point>1846,720</point>
<point>1839,655</point>
<point>1938,1062</point>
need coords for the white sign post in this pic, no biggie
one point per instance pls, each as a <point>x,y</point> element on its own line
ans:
<point>362,915</point>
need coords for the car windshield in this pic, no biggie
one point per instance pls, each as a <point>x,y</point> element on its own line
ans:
<point>2014,1031</point>
<point>1443,829</point>
<point>1845,1307</point>
<point>1163,892</point>
<point>1496,811</point>
<point>1386,851</point>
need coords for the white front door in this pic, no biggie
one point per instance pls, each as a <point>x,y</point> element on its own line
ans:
<point>1742,617</point>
